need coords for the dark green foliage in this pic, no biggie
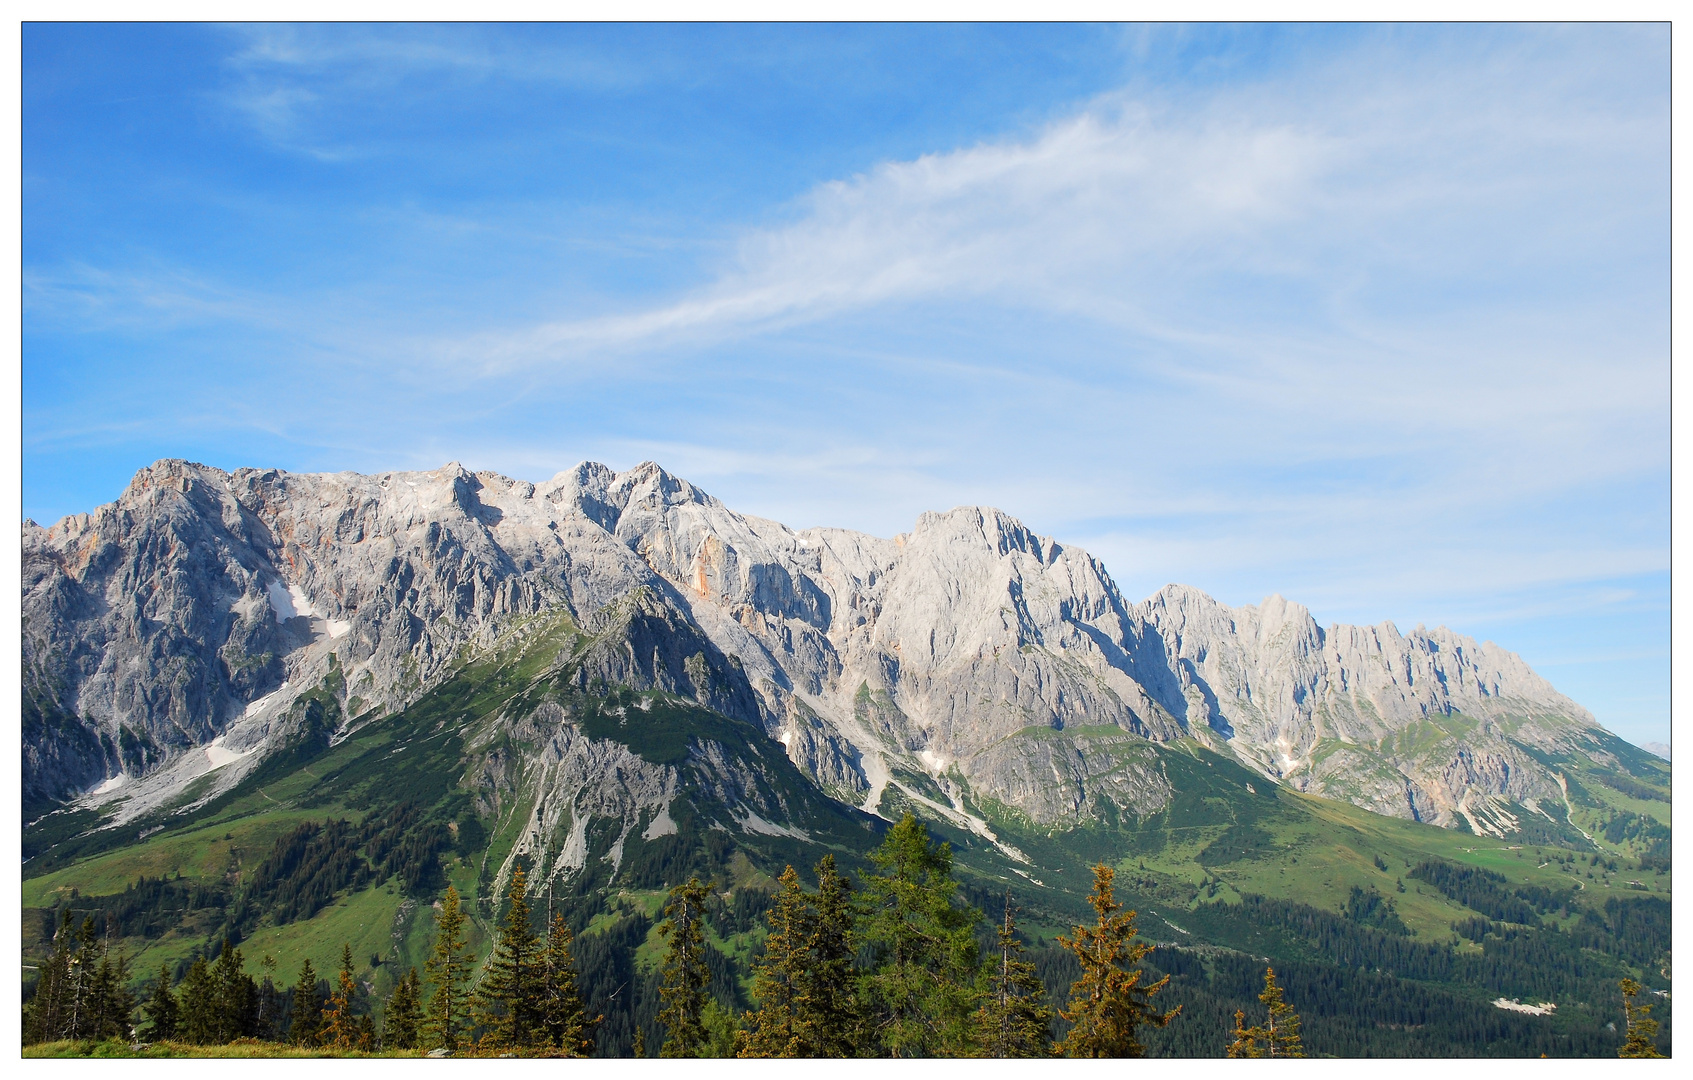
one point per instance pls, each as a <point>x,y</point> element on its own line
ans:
<point>1238,843</point>
<point>82,991</point>
<point>510,998</point>
<point>403,1013</point>
<point>920,945</point>
<point>1645,834</point>
<point>565,1024</point>
<point>686,975</point>
<point>306,1008</point>
<point>1367,907</point>
<point>1013,1021</point>
<point>161,1010</point>
<point>1483,891</point>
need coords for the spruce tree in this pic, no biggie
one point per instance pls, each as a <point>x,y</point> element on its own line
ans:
<point>1108,1003</point>
<point>448,967</point>
<point>1278,1036</point>
<point>509,1002</point>
<point>1642,1030</point>
<point>237,995</point>
<point>921,989</point>
<point>564,1017</point>
<point>161,1009</point>
<point>779,976</point>
<point>685,973</point>
<point>404,1010</point>
<point>827,1015</point>
<point>269,1004</point>
<point>45,1017</point>
<point>200,1023</point>
<point>308,1010</point>
<point>640,1049</point>
<point>1013,1020</point>
<point>340,1025</point>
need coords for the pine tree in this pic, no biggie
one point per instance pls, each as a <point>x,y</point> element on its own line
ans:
<point>1642,1029</point>
<point>161,1009</point>
<point>780,975</point>
<point>827,1015</point>
<point>448,967</point>
<point>340,1026</point>
<point>564,1017</point>
<point>46,1016</point>
<point>404,1010</point>
<point>237,996</point>
<point>308,1010</point>
<point>922,987</point>
<point>269,1004</point>
<point>509,1002</point>
<point>685,973</point>
<point>1108,1003</point>
<point>110,1001</point>
<point>1278,1036</point>
<point>200,1023</point>
<point>1013,1020</point>
<point>640,1049</point>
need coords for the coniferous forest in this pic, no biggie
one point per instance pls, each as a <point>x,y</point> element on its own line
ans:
<point>903,958</point>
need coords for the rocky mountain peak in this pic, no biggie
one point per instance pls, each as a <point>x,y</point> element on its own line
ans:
<point>970,649</point>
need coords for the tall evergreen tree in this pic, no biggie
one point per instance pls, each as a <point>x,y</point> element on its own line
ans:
<point>827,1016</point>
<point>1013,1020</point>
<point>921,989</point>
<point>1642,1030</point>
<point>404,1010</point>
<point>779,975</point>
<point>161,1010</point>
<point>340,1024</point>
<point>270,1005</point>
<point>448,967</point>
<point>308,1008</point>
<point>1278,1036</point>
<point>510,1000</point>
<point>47,1017</point>
<point>1108,1003</point>
<point>201,1022</point>
<point>685,972</point>
<point>564,1016</point>
<point>237,995</point>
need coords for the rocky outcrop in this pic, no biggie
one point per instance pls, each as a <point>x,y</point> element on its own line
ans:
<point>968,664</point>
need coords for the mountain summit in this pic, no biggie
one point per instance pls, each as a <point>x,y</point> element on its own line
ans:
<point>969,668</point>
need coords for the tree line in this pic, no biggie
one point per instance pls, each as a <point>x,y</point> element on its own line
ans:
<point>890,967</point>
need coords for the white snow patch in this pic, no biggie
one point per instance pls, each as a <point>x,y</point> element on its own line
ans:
<point>936,763</point>
<point>110,785</point>
<point>281,602</point>
<point>1545,1008</point>
<point>219,755</point>
<point>1032,878</point>
<point>337,627</point>
<point>786,739</point>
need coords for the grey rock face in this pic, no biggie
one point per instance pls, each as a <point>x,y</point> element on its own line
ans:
<point>970,664</point>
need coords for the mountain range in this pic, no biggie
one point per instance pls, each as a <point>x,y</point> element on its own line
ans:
<point>613,680</point>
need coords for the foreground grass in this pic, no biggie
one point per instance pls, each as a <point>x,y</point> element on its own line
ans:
<point>240,1048</point>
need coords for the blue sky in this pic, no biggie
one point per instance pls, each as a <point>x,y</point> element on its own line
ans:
<point>1373,317</point>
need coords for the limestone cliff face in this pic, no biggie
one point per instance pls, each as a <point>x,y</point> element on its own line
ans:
<point>968,665</point>
<point>1429,725</point>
